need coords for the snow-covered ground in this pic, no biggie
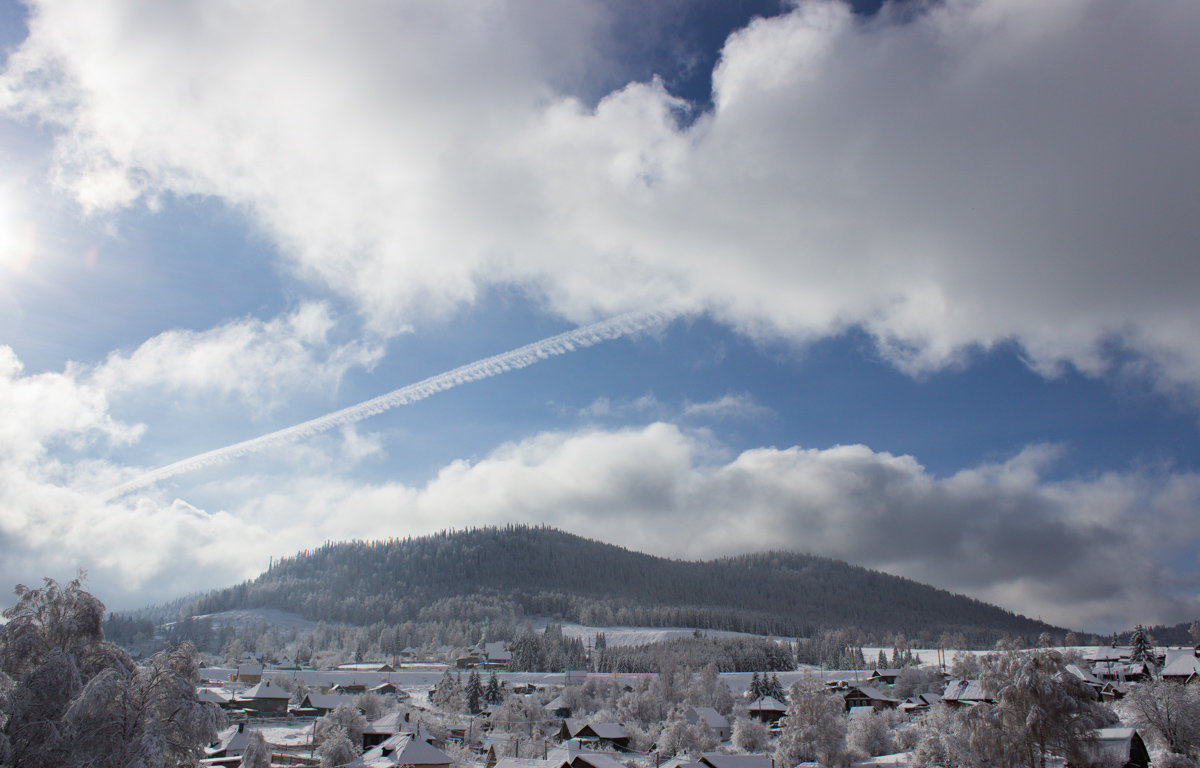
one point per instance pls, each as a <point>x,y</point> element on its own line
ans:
<point>615,636</point>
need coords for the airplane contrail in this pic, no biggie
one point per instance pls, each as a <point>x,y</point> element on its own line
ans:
<point>520,357</point>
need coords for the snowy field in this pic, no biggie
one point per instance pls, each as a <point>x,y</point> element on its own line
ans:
<point>622,636</point>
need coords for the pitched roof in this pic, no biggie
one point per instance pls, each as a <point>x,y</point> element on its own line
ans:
<point>232,741</point>
<point>609,730</point>
<point>965,690</point>
<point>873,693</point>
<point>401,749</point>
<point>564,756</point>
<point>721,760</point>
<point>265,690</point>
<point>711,717</point>
<point>1182,666</point>
<point>767,704</point>
<point>328,701</point>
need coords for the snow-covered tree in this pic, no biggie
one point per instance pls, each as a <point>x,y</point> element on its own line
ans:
<point>771,687</point>
<point>345,718</point>
<point>493,694</point>
<point>336,749</point>
<point>680,736</point>
<point>1047,709</point>
<point>814,727</point>
<point>448,694</point>
<point>474,693</point>
<point>870,734</point>
<point>1141,649</point>
<point>258,752</point>
<point>1170,711</point>
<point>750,734</point>
<point>69,697</point>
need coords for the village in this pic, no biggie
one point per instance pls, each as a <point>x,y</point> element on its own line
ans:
<point>473,711</point>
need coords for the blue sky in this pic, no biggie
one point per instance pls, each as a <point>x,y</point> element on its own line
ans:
<point>931,271</point>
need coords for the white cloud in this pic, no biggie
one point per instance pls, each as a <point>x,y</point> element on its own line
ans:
<point>257,361</point>
<point>738,405</point>
<point>1000,532</point>
<point>984,171</point>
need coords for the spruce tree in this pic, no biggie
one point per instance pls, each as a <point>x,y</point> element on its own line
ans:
<point>1142,650</point>
<point>474,693</point>
<point>756,690</point>
<point>492,694</point>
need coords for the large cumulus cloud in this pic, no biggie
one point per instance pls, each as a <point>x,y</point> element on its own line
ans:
<point>943,174</point>
<point>1000,531</point>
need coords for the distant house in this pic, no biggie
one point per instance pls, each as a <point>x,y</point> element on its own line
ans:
<point>720,760</point>
<point>1182,669</point>
<point>768,709</point>
<point>868,696</point>
<point>382,729</point>
<point>402,750</point>
<point>323,703</point>
<point>265,699</point>
<point>387,689</point>
<point>915,705</point>
<point>249,672</point>
<point>366,666</point>
<point>606,734</point>
<point>885,676</point>
<point>716,722</point>
<point>348,689</point>
<point>495,655</point>
<point>230,742</point>
<point>557,707</point>
<point>562,757</point>
<point>213,696</point>
<point>1118,747</point>
<point>965,693</point>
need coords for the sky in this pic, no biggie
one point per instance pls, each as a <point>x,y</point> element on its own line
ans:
<point>908,284</point>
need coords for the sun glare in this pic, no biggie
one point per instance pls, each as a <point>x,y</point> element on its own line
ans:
<point>17,235</point>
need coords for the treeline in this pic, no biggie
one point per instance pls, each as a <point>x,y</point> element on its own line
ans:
<point>726,654</point>
<point>498,576</point>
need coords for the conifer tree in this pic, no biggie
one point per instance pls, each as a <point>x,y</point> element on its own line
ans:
<point>775,690</point>
<point>493,694</point>
<point>755,687</point>
<point>1142,650</point>
<point>474,693</point>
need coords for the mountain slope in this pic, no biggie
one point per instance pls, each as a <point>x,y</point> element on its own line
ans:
<point>501,575</point>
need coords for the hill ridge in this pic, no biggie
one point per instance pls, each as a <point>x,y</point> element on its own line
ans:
<point>504,574</point>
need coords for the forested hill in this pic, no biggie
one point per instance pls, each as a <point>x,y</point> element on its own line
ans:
<point>501,575</point>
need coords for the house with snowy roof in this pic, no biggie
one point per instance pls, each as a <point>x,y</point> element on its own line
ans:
<point>605,734</point>
<point>249,672</point>
<point>884,676</point>
<point>721,760</point>
<point>230,742</point>
<point>858,696</point>
<point>716,722</point>
<point>402,750</point>
<point>383,728</point>
<point>1116,747</point>
<point>265,698</point>
<point>965,693</point>
<point>571,757</point>
<point>323,703</point>
<point>768,709</point>
<point>1182,668</point>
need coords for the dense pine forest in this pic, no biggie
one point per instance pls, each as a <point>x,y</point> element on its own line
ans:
<point>496,577</point>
